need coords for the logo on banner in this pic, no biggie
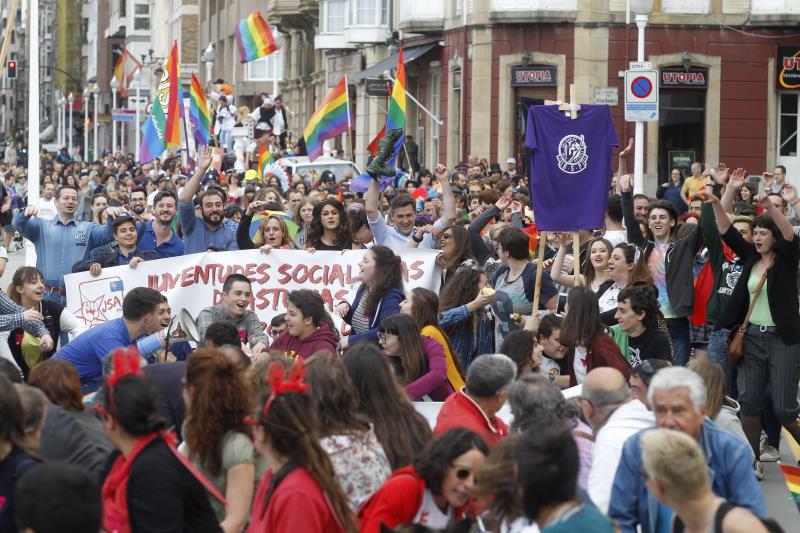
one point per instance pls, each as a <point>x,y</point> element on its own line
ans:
<point>100,300</point>
<point>572,156</point>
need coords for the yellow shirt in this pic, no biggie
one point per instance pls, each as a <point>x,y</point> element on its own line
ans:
<point>455,379</point>
<point>692,185</point>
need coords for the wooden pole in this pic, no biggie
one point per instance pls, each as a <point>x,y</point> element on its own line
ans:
<point>12,18</point>
<point>537,288</point>
<point>576,260</point>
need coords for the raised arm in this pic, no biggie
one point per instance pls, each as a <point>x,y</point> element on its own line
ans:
<point>448,202</point>
<point>722,218</point>
<point>622,168</point>
<point>631,224</point>
<point>372,200</point>
<point>191,187</point>
<point>558,262</point>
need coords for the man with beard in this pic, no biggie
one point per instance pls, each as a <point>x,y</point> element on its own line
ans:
<point>208,232</point>
<point>138,204</point>
<point>157,234</point>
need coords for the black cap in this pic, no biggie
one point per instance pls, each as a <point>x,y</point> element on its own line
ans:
<point>327,175</point>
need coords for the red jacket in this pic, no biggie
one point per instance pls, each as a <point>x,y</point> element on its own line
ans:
<point>459,410</point>
<point>603,351</point>
<point>396,502</point>
<point>297,504</point>
<point>323,339</point>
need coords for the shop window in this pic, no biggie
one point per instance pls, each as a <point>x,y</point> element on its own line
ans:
<point>681,128</point>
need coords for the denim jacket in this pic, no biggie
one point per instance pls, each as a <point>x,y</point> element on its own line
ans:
<point>730,472</point>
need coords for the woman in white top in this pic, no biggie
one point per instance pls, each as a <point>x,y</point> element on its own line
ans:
<point>226,120</point>
<point>625,267</point>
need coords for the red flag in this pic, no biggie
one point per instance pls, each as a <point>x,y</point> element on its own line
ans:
<point>372,148</point>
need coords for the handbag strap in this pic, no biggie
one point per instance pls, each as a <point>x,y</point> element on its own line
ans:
<point>755,296</point>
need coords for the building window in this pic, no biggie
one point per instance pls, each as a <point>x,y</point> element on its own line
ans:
<point>685,6</point>
<point>764,7</point>
<point>122,8</point>
<point>333,15</point>
<point>433,126</point>
<point>141,17</point>
<point>365,12</point>
<point>268,68</point>
<point>384,12</point>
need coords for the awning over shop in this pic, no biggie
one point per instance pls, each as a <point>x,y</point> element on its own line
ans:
<point>377,70</point>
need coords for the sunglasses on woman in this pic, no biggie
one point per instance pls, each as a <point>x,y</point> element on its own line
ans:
<point>462,472</point>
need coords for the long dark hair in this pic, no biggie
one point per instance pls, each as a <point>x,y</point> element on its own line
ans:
<point>219,404</point>
<point>311,305</point>
<point>461,288</point>
<point>425,311</point>
<point>461,237</point>
<point>438,455</point>
<point>412,361</point>
<point>292,435</point>
<point>401,430</point>
<point>334,401</point>
<point>12,418</point>
<point>640,272</point>
<point>316,231</point>
<point>589,273</point>
<point>23,275</point>
<point>135,406</point>
<point>388,274</point>
<point>582,322</point>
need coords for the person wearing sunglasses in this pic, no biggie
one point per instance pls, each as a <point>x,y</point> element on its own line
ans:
<point>418,361</point>
<point>435,491</point>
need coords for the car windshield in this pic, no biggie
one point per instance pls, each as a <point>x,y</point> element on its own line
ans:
<point>314,170</point>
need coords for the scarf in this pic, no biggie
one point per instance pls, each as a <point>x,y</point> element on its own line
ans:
<point>114,493</point>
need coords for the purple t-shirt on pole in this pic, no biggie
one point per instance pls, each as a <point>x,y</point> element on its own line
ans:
<point>570,166</point>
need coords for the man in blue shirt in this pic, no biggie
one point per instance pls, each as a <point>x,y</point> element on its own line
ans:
<point>678,398</point>
<point>210,231</point>
<point>86,352</point>
<point>61,242</point>
<point>157,234</point>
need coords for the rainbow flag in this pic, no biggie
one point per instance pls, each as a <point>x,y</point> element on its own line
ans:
<point>125,70</point>
<point>396,116</point>
<point>264,159</point>
<point>199,115</point>
<point>161,129</point>
<point>331,118</point>
<point>792,476</point>
<point>372,147</point>
<point>254,37</point>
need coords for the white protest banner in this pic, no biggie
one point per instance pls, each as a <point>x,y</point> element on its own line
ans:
<point>194,282</point>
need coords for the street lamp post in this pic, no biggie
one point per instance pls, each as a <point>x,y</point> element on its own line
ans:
<point>61,116</point>
<point>114,85</point>
<point>96,94</point>
<point>70,101</point>
<point>85,104</point>
<point>642,8</point>
<point>208,57</point>
<point>137,125</point>
<point>57,102</point>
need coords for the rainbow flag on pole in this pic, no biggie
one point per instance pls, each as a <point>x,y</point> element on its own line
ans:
<point>792,476</point>
<point>331,118</point>
<point>161,130</point>
<point>254,37</point>
<point>199,115</point>
<point>396,116</point>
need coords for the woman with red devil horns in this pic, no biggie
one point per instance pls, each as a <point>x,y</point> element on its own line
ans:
<point>151,486</point>
<point>298,492</point>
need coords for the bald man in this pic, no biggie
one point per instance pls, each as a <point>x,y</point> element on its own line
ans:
<point>614,416</point>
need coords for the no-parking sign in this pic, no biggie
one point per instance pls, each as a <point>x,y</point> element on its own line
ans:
<point>641,95</point>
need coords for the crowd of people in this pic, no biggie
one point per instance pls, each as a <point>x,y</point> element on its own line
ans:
<point>611,403</point>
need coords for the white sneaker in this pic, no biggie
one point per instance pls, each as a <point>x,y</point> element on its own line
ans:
<point>770,455</point>
<point>758,470</point>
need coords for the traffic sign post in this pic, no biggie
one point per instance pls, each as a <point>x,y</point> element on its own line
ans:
<point>641,95</point>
